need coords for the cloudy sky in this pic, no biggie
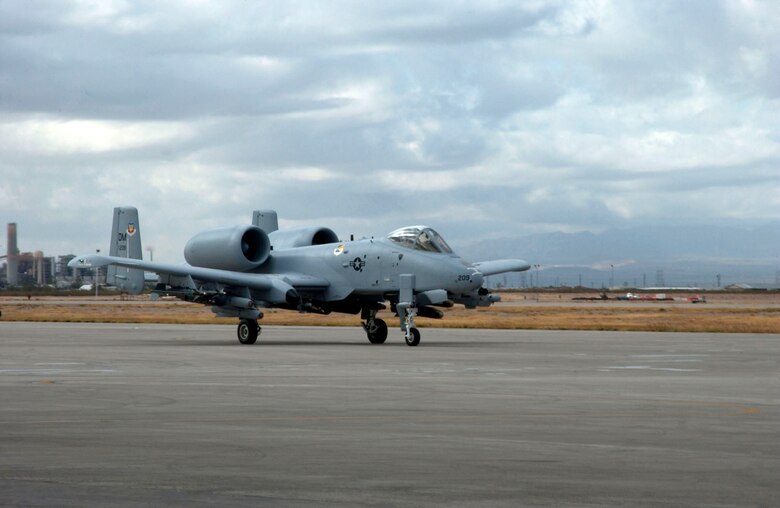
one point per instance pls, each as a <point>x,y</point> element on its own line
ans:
<point>483,119</point>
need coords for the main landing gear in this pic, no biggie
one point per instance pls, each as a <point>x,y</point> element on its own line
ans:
<point>247,331</point>
<point>376,329</point>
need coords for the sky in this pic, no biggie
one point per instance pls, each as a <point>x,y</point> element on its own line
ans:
<point>481,119</point>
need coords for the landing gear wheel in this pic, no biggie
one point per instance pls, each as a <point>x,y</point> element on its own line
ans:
<point>379,334</point>
<point>247,331</point>
<point>413,338</point>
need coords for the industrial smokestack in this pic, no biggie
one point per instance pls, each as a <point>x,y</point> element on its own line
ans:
<point>12,266</point>
<point>38,270</point>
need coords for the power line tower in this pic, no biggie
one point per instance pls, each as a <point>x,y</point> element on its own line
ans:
<point>659,279</point>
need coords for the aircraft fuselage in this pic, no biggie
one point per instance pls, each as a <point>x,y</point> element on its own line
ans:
<point>373,267</point>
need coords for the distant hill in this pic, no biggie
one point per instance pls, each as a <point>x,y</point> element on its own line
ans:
<point>684,254</point>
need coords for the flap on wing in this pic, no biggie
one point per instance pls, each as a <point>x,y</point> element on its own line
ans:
<point>502,266</point>
<point>257,281</point>
<point>251,280</point>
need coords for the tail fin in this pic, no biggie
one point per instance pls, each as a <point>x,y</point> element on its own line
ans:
<point>265,220</point>
<point>126,243</point>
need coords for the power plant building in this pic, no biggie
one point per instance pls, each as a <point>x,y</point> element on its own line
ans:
<point>12,259</point>
<point>33,268</point>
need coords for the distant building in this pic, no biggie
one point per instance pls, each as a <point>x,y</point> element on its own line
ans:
<point>739,287</point>
<point>33,268</point>
<point>39,271</point>
<point>25,272</point>
<point>62,270</point>
<point>12,259</point>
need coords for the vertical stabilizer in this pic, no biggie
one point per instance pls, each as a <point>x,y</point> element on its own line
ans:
<point>126,243</point>
<point>265,220</point>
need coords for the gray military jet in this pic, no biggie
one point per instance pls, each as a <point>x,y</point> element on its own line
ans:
<point>241,269</point>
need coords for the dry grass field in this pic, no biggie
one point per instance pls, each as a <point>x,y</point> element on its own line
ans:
<point>745,313</point>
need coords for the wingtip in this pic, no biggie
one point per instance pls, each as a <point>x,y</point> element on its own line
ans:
<point>88,261</point>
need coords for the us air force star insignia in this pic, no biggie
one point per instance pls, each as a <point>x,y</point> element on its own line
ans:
<point>131,228</point>
<point>338,250</point>
<point>357,264</point>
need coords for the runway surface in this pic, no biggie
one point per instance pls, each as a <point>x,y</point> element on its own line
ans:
<point>128,415</point>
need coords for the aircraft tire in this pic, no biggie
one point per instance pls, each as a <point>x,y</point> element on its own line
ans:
<point>414,337</point>
<point>380,335</point>
<point>247,331</point>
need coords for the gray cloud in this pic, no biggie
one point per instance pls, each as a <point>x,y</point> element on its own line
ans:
<point>483,121</point>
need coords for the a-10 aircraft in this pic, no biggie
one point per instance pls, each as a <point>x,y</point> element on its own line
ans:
<point>241,269</point>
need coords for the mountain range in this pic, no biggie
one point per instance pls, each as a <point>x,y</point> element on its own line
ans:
<point>671,255</point>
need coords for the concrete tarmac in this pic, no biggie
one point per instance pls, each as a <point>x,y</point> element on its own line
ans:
<point>129,415</point>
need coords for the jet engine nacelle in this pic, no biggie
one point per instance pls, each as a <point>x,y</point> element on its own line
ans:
<point>302,237</point>
<point>237,248</point>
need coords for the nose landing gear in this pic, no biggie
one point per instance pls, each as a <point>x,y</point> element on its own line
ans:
<point>406,314</point>
<point>412,337</point>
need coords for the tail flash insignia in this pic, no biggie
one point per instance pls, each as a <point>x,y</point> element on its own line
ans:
<point>131,228</point>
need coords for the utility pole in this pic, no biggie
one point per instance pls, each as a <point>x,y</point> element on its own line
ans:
<point>97,276</point>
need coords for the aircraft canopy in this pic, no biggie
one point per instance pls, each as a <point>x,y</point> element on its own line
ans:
<point>420,238</point>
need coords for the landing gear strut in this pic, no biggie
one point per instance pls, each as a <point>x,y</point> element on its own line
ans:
<point>407,309</point>
<point>376,329</point>
<point>406,313</point>
<point>247,331</point>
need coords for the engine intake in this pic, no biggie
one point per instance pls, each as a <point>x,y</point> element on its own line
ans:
<point>238,248</point>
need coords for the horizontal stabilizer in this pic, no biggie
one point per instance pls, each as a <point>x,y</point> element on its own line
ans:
<point>502,266</point>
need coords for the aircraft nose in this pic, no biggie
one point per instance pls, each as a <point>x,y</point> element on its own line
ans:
<point>477,278</point>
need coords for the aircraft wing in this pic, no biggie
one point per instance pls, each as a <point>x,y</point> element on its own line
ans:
<point>501,266</point>
<point>256,281</point>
